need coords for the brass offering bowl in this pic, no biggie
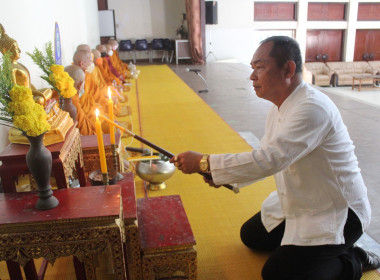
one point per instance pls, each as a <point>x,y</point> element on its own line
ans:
<point>156,171</point>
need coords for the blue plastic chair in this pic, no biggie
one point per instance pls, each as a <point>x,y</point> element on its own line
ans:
<point>127,46</point>
<point>142,45</point>
<point>168,49</point>
<point>156,45</point>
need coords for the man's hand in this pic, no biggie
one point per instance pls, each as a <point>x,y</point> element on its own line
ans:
<point>187,162</point>
<point>210,182</point>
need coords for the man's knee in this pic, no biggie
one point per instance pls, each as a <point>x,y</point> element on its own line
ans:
<point>271,272</point>
<point>249,237</point>
<point>254,235</point>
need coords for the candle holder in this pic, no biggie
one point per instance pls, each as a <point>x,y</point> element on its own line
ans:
<point>105,179</point>
<point>97,178</point>
<point>115,158</point>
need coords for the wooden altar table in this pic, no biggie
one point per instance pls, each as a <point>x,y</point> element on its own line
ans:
<point>75,227</point>
<point>67,156</point>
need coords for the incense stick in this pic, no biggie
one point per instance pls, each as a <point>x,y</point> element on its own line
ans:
<point>161,150</point>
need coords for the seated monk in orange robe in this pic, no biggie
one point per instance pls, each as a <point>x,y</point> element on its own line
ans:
<point>116,90</point>
<point>113,67</point>
<point>86,122</point>
<point>104,67</point>
<point>99,80</point>
<point>93,69</point>
<point>94,96</point>
<point>120,66</point>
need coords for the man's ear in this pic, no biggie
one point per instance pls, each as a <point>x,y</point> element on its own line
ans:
<point>290,69</point>
<point>79,85</point>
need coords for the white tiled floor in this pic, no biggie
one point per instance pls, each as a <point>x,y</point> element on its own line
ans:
<point>368,96</point>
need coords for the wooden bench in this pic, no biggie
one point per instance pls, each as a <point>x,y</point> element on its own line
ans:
<point>167,241</point>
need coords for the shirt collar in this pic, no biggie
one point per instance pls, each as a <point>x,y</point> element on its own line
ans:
<point>291,96</point>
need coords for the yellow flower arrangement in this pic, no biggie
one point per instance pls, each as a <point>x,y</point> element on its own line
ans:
<point>55,74</point>
<point>63,82</point>
<point>18,108</point>
<point>28,116</point>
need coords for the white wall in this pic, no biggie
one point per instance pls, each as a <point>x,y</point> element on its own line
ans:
<point>31,24</point>
<point>146,19</point>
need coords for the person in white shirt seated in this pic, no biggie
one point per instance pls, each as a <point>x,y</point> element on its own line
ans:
<point>320,208</point>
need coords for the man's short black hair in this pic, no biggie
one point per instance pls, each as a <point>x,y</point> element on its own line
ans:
<point>285,49</point>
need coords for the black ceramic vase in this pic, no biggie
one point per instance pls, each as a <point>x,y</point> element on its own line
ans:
<point>69,107</point>
<point>39,162</point>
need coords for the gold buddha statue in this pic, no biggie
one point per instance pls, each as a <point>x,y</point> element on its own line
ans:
<point>59,120</point>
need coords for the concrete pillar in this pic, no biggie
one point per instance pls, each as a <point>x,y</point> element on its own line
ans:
<point>301,30</point>
<point>350,33</point>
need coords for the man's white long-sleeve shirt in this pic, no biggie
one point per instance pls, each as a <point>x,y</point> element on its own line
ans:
<point>307,148</point>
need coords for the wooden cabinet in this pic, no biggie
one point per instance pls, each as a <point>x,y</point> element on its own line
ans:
<point>322,42</point>
<point>367,41</point>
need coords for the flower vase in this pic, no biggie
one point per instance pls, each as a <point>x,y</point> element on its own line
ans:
<point>69,107</point>
<point>39,161</point>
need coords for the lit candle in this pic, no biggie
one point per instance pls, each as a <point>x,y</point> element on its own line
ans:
<point>99,135</point>
<point>110,115</point>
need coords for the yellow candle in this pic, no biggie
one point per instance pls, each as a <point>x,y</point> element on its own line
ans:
<point>99,135</point>
<point>110,115</point>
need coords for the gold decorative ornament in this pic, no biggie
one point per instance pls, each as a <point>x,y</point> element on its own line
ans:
<point>169,265</point>
<point>64,240</point>
<point>133,260</point>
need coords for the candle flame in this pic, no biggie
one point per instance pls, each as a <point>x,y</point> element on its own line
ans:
<point>97,112</point>
<point>109,92</point>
